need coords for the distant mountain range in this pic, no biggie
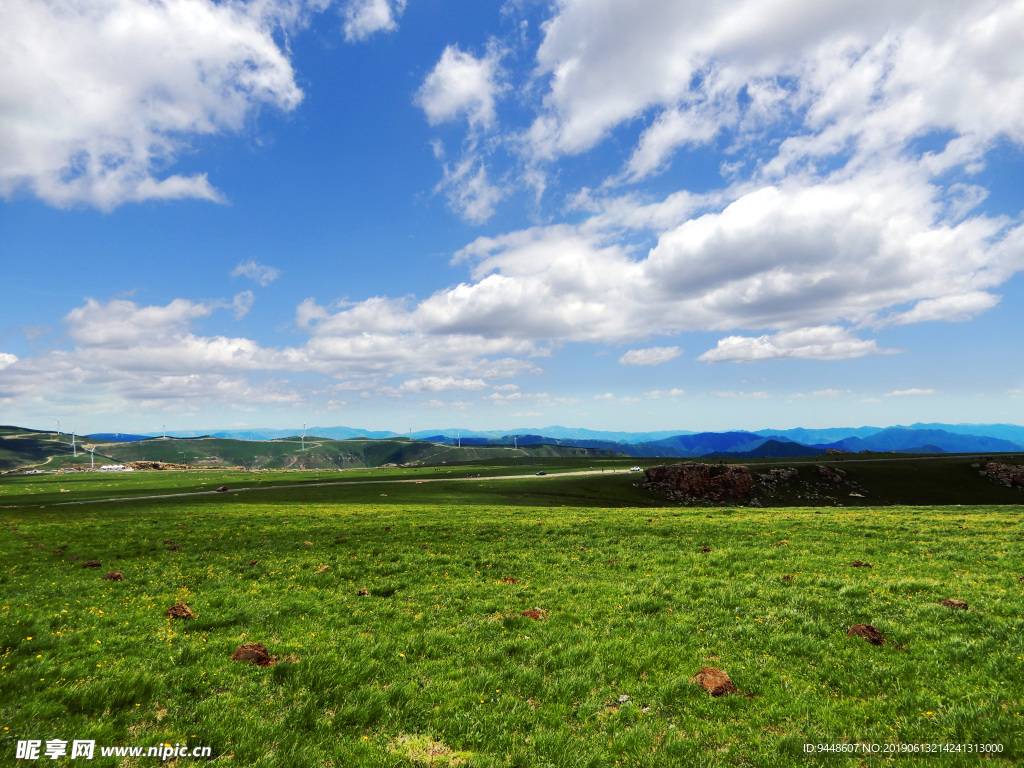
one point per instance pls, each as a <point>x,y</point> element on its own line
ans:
<point>915,438</point>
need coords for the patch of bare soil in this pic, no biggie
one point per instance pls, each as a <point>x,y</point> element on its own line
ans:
<point>73,558</point>
<point>91,563</point>
<point>952,603</point>
<point>788,577</point>
<point>713,680</point>
<point>363,592</point>
<point>534,613</point>
<point>859,564</point>
<point>113,576</point>
<point>254,653</point>
<point>706,549</point>
<point>783,543</point>
<point>868,632</point>
<point>180,611</point>
<point>509,580</point>
<point>322,569</point>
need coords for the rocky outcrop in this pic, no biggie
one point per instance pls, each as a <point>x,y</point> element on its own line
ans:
<point>1011,475</point>
<point>158,465</point>
<point>836,476</point>
<point>693,482</point>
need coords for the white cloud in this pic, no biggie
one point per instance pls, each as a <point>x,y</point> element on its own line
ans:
<point>741,395</point>
<point>461,85</point>
<point>7,359</point>
<point>101,96</point>
<point>824,393</point>
<point>259,273</point>
<point>658,394</point>
<point>871,75</point>
<point>650,356</point>
<point>914,392</point>
<point>441,384</point>
<point>470,192</point>
<point>364,18</point>
<point>955,308</point>
<point>818,343</point>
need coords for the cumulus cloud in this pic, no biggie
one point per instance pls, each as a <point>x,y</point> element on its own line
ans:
<point>7,359</point>
<point>259,273</point>
<point>461,86</point>
<point>364,18</point>
<point>873,74</point>
<point>650,356</point>
<point>101,96</point>
<point>819,343</point>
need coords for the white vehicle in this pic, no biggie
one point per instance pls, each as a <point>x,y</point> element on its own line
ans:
<point>635,469</point>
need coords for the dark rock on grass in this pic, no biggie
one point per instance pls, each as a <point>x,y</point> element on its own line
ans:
<point>363,592</point>
<point>113,576</point>
<point>180,611</point>
<point>860,564</point>
<point>714,681</point>
<point>706,549</point>
<point>254,653</point>
<point>868,632</point>
<point>957,604</point>
<point>91,564</point>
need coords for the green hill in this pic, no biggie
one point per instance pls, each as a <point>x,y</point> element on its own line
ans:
<point>26,449</point>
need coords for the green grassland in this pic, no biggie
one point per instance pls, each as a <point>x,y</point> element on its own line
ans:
<point>438,665</point>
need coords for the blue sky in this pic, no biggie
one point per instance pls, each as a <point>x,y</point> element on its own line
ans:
<point>397,214</point>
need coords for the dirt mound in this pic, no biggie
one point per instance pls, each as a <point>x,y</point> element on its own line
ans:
<point>534,613</point>
<point>868,632</point>
<point>91,563</point>
<point>254,653</point>
<point>783,543</point>
<point>180,611</point>
<point>706,548</point>
<point>714,681</point>
<point>957,604</point>
<point>693,482</point>
<point>788,577</point>
<point>859,564</point>
<point>509,580</point>
<point>113,576</point>
<point>363,592</point>
<point>322,569</point>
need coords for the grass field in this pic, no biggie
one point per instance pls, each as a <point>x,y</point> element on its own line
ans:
<point>438,665</point>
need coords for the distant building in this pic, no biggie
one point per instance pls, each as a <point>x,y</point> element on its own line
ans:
<point>116,468</point>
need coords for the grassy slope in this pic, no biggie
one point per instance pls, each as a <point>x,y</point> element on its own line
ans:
<point>440,648</point>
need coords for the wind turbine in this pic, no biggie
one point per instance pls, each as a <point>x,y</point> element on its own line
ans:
<point>92,458</point>
<point>303,435</point>
<point>73,446</point>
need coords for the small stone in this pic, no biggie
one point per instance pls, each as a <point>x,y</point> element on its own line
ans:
<point>714,681</point>
<point>623,699</point>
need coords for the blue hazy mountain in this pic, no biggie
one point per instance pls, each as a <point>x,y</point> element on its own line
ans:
<point>916,440</point>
